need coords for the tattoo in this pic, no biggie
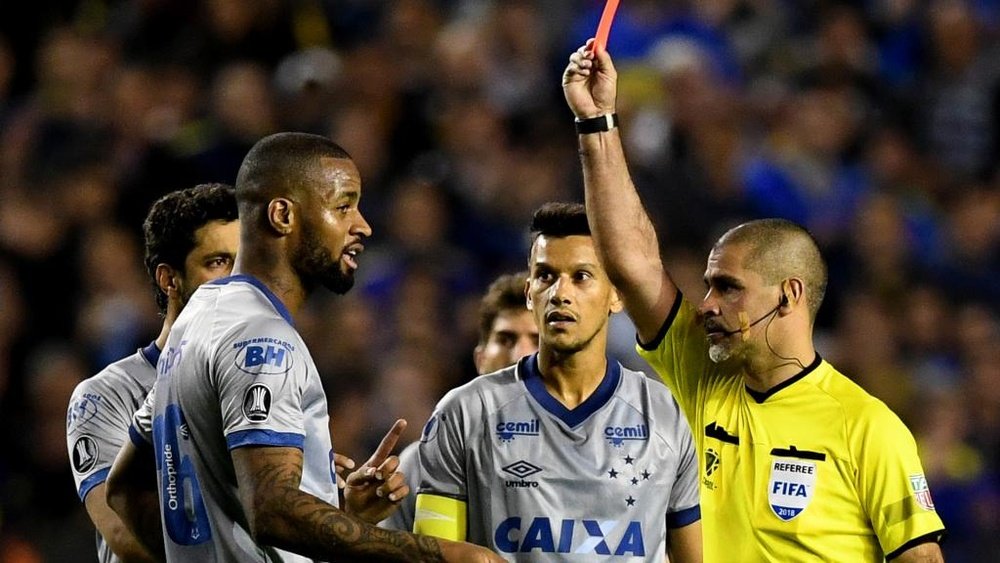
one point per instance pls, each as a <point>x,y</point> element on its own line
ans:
<point>295,520</point>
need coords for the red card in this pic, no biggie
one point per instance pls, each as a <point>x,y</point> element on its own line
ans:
<point>604,28</point>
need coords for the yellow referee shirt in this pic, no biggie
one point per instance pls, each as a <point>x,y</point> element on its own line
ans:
<point>814,469</point>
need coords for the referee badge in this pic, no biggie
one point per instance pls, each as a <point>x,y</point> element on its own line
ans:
<point>791,486</point>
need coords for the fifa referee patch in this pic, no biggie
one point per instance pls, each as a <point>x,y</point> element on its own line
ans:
<point>921,491</point>
<point>791,486</point>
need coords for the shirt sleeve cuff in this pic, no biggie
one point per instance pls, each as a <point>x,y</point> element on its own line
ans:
<point>93,480</point>
<point>243,438</point>
<point>684,517</point>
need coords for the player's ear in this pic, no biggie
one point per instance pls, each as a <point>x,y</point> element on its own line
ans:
<point>616,304</point>
<point>167,279</point>
<point>280,215</point>
<point>477,357</point>
<point>527,295</point>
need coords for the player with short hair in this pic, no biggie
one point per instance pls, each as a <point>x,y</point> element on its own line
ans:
<point>240,425</point>
<point>566,454</point>
<point>507,329</point>
<point>507,332</point>
<point>191,237</point>
<point>799,463</point>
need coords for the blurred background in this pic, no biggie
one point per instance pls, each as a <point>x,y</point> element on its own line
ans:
<point>875,123</point>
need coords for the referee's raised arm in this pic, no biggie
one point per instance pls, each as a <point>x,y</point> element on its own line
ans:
<point>624,236</point>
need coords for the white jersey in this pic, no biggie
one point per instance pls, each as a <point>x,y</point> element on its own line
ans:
<point>409,466</point>
<point>234,373</point>
<point>600,482</point>
<point>98,418</point>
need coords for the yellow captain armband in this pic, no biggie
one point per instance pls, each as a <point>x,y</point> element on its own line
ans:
<point>441,517</point>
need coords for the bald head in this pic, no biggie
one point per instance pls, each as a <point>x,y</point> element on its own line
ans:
<point>778,250</point>
<point>282,165</point>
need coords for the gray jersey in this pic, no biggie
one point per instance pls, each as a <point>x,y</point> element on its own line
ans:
<point>234,373</point>
<point>409,466</point>
<point>98,419</point>
<point>602,481</point>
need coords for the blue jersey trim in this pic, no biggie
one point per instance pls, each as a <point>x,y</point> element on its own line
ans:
<point>243,438</point>
<point>138,438</point>
<point>600,397</point>
<point>94,480</point>
<point>684,517</point>
<point>282,310</point>
<point>151,353</point>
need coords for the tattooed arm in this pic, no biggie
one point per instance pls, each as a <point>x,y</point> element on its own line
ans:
<point>285,517</point>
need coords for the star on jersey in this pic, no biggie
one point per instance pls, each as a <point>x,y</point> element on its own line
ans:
<point>631,474</point>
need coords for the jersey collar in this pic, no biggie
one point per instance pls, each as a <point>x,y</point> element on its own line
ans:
<point>760,397</point>
<point>278,305</point>
<point>151,353</point>
<point>528,368</point>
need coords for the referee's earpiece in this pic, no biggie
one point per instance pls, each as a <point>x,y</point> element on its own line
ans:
<point>785,289</point>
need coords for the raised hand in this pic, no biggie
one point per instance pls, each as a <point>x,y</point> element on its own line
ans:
<point>590,82</point>
<point>374,490</point>
<point>343,465</point>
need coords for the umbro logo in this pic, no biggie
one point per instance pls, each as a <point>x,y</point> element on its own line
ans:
<point>522,469</point>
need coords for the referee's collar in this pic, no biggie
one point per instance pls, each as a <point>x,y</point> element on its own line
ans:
<point>572,417</point>
<point>760,397</point>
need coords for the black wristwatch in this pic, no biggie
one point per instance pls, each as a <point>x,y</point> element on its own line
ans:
<point>598,124</point>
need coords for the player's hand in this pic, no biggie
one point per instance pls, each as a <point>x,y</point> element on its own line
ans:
<point>375,489</point>
<point>590,82</point>
<point>343,466</point>
<point>467,552</point>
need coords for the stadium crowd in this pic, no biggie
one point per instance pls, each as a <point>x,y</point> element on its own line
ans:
<point>874,123</point>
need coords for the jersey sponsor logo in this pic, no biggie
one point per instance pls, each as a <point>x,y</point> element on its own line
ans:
<point>618,435</point>
<point>430,429</point>
<point>82,410</point>
<point>257,403</point>
<point>521,469</point>
<point>791,486</point>
<point>600,537</point>
<point>185,516</point>
<point>921,491</point>
<point>508,431</point>
<point>269,357</point>
<point>170,357</point>
<point>84,454</point>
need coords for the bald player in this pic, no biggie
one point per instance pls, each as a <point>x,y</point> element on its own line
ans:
<point>239,422</point>
<point>798,462</point>
<point>507,332</point>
